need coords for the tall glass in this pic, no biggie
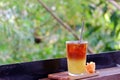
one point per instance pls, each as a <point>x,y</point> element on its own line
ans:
<point>76,57</point>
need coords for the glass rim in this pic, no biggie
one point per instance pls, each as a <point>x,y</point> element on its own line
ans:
<point>76,42</point>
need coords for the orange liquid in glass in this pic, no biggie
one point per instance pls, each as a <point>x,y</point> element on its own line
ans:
<point>76,57</point>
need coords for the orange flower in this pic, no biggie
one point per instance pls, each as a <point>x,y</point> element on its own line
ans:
<point>90,67</point>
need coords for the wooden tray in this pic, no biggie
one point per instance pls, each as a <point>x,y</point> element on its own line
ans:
<point>65,76</point>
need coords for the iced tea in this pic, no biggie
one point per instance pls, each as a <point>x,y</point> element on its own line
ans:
<point>76,57</point>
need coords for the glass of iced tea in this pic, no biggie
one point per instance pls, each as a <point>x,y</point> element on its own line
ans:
<point>76,57</point>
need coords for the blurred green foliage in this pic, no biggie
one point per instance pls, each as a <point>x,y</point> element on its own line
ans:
<point>24,21</point>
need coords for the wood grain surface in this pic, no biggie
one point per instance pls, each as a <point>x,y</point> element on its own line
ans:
<point>101,74</point>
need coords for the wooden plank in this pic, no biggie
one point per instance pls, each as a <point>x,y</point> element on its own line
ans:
<point>104,74</point>
<point>107,74</point>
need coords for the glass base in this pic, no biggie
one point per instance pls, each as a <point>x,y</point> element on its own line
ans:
<point>75,74</point>
<point>118,65</point>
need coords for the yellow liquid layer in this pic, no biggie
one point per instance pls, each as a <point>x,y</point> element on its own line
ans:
<point>76,66</point>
